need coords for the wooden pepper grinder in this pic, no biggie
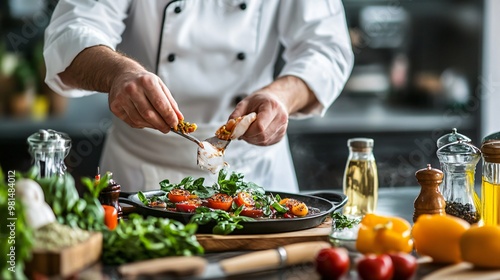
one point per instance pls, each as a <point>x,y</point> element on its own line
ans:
<point>110,195</point>
<point>430,200</point>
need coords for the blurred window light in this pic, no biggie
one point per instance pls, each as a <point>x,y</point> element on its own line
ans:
<point>24,8</point>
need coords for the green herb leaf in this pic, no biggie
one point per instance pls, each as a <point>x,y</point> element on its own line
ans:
<point>341,221</point>
<point>142,197</point>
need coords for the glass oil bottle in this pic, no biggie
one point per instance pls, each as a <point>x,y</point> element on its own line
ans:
<point>490,188</point>
<point>360,182</point>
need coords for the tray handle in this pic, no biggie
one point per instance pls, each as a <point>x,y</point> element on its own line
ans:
<point>337,198</point>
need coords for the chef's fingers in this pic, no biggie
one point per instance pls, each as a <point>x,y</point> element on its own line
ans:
<point>134,119</point>
<point>146,111</point>
<point>153,104</point>
<point>261,135</point>
<point>171,99</point>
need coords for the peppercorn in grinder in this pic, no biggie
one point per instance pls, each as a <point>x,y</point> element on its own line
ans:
<point>458,161</point>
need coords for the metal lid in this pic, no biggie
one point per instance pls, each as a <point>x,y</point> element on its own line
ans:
<point>459,152</point>
<point>452,137</point>
<point>491,151</point>
<point>49,140</point>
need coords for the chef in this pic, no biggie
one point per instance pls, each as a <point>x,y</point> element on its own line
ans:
<point>203,61</point>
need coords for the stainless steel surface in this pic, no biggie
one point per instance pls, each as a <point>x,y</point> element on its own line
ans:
<point>218,143</point>
<point>188,137</point>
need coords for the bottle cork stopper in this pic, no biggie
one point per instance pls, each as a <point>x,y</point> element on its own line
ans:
<point>430,200</point>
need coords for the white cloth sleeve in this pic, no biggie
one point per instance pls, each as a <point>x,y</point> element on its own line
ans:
<point>317,48</point>
<point>76,25</point>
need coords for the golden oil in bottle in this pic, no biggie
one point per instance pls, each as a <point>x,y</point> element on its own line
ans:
<point>360,178</point>
<point>490,187</point>
<point>490,203</point>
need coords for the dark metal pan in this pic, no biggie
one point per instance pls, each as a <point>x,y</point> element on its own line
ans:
<point>332,201</point>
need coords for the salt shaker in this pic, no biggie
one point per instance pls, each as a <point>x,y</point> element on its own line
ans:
<point>459,160</point>
<point>360,178</point>
<point>429,200</point>
<point>490,188</point>
<point>48,149</point>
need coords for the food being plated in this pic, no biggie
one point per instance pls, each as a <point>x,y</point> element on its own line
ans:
<point>211,154</point>
<point>235,128</point>
<point>186,127</point>
<point>228,202</point>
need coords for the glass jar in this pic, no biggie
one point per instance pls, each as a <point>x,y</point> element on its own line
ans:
<point>490,187</point>
<point>458,161</point>
<point>360,178</point>
<point>48,148</point>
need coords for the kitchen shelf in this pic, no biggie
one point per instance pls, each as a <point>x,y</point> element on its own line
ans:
<point>371,114</point>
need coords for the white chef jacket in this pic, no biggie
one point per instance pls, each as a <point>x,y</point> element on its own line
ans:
<point>209,53</point>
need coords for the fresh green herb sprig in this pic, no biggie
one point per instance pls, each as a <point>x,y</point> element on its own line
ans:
<point>141,238</point>
<point>341,221</point>
<point>195,186</point>
<point>234,183</point>
<point>225,222</point>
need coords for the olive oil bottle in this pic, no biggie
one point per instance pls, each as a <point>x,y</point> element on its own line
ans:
<point>490,188</point>
<point>360,178</point>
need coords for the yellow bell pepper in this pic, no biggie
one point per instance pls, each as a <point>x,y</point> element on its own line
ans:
<point>384,234</point>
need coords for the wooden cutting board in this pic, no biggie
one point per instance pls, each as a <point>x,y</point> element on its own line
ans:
<point>67,261</point>
<point>219,243</point>
<point>463,271</point>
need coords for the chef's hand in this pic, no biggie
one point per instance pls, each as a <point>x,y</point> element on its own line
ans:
<point>273,104</point>
<point>141,99</point>
<point>136,96</point>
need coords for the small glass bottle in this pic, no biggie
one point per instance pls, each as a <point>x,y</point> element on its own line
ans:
<point>458,161</point>
<point>360,178</point>
<point>48,148</point>
<point>490,188</point>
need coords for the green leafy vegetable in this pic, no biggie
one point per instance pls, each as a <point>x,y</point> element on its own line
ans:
<point>142,197</point>
<point>341,221</point>
<point>225,222</point>
<point>147,238</point>
<point>61,195</point>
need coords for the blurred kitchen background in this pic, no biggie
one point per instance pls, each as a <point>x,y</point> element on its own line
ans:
<point>422,68</point>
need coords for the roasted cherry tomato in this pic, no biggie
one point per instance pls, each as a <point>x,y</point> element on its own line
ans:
<point>244,198</point>
<point>295,207</point>
<point>252,212</point>
<point>220,201</point>
<point>110,216</point>
<point>188,205</point>
<point>178,195</point>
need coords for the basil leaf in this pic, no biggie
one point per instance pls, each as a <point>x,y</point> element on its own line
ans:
<point>142,197</point>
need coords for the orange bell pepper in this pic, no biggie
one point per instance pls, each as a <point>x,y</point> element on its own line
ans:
<point>384,234</point>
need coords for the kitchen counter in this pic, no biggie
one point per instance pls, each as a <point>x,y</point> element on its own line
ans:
<point>397,201</point>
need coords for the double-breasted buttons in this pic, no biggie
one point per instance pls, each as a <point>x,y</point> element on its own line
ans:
<point>171,57</point>
<point>240,56</point>
<point>177,10</point>
<point>243,6</point>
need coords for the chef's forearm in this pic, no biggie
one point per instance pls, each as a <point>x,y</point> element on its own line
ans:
<point>293,92</point>
<point>96,68</point>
